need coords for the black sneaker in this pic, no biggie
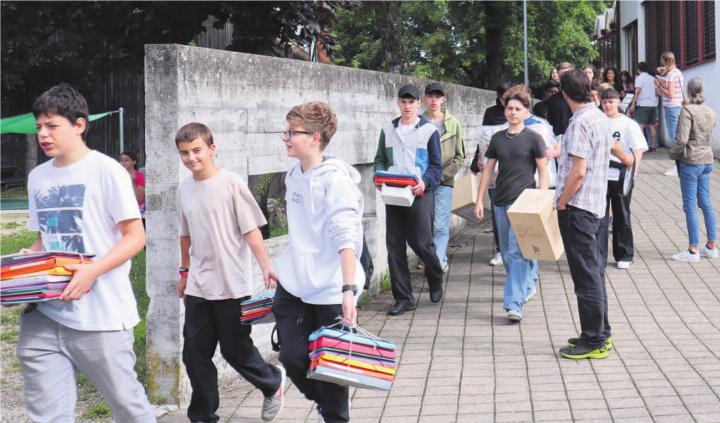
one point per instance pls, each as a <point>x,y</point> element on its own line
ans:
<point>581,351</point>
<point>574,341</point>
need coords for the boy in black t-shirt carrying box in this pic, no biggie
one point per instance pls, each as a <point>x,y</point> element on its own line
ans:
<point>519,152</point>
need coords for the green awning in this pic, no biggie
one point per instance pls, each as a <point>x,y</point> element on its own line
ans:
<point>25,124</point>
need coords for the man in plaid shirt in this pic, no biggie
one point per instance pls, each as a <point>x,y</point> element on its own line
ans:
<point>580,200</point>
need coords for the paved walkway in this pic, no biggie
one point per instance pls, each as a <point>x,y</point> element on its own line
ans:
<point>462,361</point>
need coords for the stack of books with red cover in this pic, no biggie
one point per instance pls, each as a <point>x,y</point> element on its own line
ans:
<point>256,310</point>
<point>36,277</point>
<point>398,180</point>
<point>340,356</point>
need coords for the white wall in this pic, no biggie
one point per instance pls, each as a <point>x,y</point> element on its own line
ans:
<point>630,11</point>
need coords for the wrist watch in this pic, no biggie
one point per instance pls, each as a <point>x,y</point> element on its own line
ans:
<point>350,287</point>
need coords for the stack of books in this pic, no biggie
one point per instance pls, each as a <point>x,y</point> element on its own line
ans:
<point>341,356</point>
<point>398,180</point>
<point>36,277</point>
<point>256,310</point>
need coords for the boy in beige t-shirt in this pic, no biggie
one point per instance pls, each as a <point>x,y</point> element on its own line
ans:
<point>219,230</point>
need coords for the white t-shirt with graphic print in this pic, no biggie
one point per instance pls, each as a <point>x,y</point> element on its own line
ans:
<point>631,138</point>
<point>77,208</point>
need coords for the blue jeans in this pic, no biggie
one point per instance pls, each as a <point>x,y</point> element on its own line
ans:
<point>441,222</point>
<point>520,272</point>
<point>695,187</point>
<point>672,114</point>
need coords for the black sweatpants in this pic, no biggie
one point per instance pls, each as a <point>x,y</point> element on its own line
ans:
<point>296,320</point>
<point>208,322</point>
<point>414,226</point>
<point>622,236</point>
<point>582,234</point>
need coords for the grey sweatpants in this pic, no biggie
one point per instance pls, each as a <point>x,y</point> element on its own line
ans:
<point>50,353</point>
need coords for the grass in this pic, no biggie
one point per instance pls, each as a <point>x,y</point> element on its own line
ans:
<point>11,225</point>
<point>137,279</point>
<point>98,410</point>
<point>278,231</point>
<point>14,193</point>
<point>385,285</point>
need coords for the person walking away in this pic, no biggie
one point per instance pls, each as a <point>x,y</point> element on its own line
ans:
<point>693,151</point>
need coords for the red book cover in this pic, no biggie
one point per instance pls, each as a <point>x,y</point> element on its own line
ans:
<point>324,342</point>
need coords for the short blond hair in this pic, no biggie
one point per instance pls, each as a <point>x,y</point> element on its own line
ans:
<point>315,116</point>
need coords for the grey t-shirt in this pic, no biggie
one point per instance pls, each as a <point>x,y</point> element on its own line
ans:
<point>440,127</point>
<point>215,213</point>
<point>516,163</point>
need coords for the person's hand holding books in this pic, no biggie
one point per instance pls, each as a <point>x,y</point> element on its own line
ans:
<point>84,276</point>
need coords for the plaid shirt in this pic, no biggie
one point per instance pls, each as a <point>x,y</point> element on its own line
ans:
<point>588,136</point>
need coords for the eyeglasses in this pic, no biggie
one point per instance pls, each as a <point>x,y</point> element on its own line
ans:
<point>288,134</point>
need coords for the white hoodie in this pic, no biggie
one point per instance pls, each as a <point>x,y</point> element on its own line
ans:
<point>324,211</point>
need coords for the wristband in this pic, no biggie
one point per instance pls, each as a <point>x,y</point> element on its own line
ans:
<point>183,271</point>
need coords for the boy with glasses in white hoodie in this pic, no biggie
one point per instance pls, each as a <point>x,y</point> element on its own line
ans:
<point>320,276</point>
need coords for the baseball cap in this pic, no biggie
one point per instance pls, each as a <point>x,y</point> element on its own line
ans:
<point>434,87</point>
<point>409,91</point>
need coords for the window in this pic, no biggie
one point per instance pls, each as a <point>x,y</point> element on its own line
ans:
<point>691,33</point>
<point>708,30</point>
<point>686,27</point>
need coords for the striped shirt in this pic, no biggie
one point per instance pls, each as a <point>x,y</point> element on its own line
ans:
<point>589,137</point>
<point>676,77</point>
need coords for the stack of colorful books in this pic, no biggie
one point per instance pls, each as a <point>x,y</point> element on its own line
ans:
<point>341,356</point>
<point>398,180</point>
<point>256,310</point>
<point>36,277</point>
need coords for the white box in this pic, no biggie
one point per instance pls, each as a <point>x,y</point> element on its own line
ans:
<point>397,196</point>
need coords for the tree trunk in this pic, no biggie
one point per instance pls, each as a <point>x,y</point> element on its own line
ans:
<point>495,18</point>
<point>387,18</point>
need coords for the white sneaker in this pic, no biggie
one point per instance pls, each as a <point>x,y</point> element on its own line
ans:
<point>687,256</point>
<point>272,405</point>
<point>706,252</point>
<point>446,268</point>
<point>497,260</point>
<point>623,264</point>
<point>514,316</point>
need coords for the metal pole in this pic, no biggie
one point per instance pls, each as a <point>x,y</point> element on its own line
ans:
<point>525,39</point>
<point>122,130</point>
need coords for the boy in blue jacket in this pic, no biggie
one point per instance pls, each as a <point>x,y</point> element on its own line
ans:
<point>410,144</point>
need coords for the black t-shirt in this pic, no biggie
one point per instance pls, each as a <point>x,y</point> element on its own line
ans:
<point>558,113</point>
<point>516,163</point>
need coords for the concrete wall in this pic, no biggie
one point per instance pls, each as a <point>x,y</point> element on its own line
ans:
<point>244,99</point>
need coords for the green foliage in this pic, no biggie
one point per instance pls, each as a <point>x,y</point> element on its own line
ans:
<point>278,231</point>
<point>97,411</point>
<point>14,193</point>
<point>13,243</point>
<point>137,279</point>
<point>473,43</point>
<point>385,284</point>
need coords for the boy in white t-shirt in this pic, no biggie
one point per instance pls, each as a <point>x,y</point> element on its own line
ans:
<point>646,99</point>
<point>219,231</point>
<point>625,157</point>
<point>81,201</point>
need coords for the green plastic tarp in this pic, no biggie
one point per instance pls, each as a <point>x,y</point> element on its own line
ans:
<point>25,124</point>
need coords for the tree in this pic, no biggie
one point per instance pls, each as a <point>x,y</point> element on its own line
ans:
<point>44,43</point>
<point>387,18</point>
<point>475,43</point>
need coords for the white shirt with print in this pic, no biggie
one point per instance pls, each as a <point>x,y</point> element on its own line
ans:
<point>631,138</point>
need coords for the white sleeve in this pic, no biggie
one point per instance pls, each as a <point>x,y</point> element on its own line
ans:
<point>637,138</point>
<point>119,195</point>
<point>344,211</point>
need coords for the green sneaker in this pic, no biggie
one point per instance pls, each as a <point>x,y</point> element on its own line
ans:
<point>581,351</point>
<point>574,341</point>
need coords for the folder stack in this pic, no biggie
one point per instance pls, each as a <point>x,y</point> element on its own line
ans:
<point>340,356</point>
<point>256,310</point>
<point>36,277</point>
<point>398,180</point>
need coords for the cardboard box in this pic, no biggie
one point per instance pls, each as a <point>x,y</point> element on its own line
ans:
<point>397,196</point>
<point>535,223</point>
<point>465,196</point>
